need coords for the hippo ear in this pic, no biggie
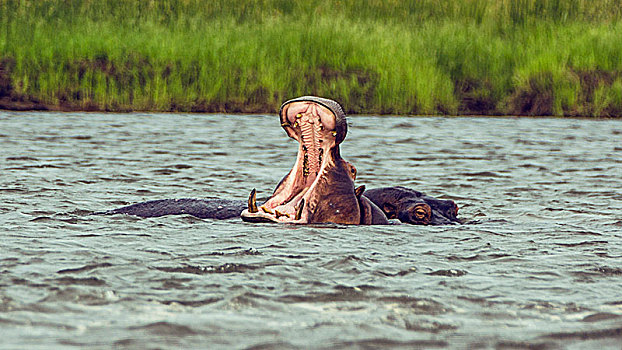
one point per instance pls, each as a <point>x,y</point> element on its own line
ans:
<point>359,191</point>
<point>389,210</point>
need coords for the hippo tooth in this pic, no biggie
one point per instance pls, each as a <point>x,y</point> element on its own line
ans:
<point>305,165</point>
<point>301,205</point>
<point>279,214</point>
<point>266,210</point>
<point>252,202</point>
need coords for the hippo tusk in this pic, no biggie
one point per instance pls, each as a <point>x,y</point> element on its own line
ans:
<point>301,206</point>
<point>252,202</point>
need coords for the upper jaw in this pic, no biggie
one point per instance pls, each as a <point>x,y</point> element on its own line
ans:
<point>337,122</point>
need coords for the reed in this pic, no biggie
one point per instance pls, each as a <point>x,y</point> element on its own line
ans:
<point>533,57</point>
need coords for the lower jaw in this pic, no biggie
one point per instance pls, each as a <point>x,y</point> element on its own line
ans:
<point>265,217</point>
<point>307,175</point>
<point>292,211</point>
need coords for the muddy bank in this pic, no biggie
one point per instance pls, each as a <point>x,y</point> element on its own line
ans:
<point>577,93</point>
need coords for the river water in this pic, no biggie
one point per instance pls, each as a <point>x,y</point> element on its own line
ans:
<point>537,263</point>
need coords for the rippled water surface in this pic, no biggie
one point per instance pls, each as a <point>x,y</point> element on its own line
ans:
<point>538,263</point>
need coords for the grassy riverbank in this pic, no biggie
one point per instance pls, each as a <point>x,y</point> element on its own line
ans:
<point>528,57</point>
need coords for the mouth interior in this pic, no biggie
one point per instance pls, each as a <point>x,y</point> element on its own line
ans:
<point>313,126</point>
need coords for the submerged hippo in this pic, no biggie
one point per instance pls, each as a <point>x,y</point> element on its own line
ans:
<point>413,207</point>
<point>318,189</point>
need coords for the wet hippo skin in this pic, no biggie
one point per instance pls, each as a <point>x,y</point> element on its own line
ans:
<point>412,206</point>
<point>202,208</point>
<point>440,211</point>
<point>320,186</point>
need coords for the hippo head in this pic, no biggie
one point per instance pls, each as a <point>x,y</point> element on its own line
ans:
<point>320,186</point>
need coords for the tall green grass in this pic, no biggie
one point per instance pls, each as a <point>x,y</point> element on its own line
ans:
<point>534,57</point>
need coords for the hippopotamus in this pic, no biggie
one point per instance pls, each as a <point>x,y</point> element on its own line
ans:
<point>320,186</point>
<point>412,206</point>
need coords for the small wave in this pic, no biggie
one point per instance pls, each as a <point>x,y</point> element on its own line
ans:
<point>81,296</point>
<point>481,174</point>
<point>249,251</point>
<point>84,268</point>
<point>584,243</point>
<point>182,166</point>
<point>600,316</point>
<point>165,171</point>
<point>395,274</point>
<point>42,219</point>
<point>87,281</point>
<point>21,158</point>
<point>510,345</point>
<point>464,258</point>
<point>587,335</point>
<point>349,262</point>
<point>609,271</point>
<point>419,306</point>
<point>383,343</point>
<point>202,270</point>
<point>428,326</point>
<point>399,125</point>
<point>447,273</point>
<point>192,303</point>
<point>277,345</point>
<point>343,294</point>
<point>13,189</point>
<point>167,328</point>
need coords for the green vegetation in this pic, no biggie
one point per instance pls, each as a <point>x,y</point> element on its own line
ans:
<point>532,57</point>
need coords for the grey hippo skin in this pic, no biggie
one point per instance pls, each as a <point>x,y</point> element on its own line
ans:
<point>201,208</point>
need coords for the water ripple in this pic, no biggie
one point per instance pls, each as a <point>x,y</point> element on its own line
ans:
<point>536,264</point>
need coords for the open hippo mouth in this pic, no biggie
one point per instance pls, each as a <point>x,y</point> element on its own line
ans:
<point>319,188</point>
